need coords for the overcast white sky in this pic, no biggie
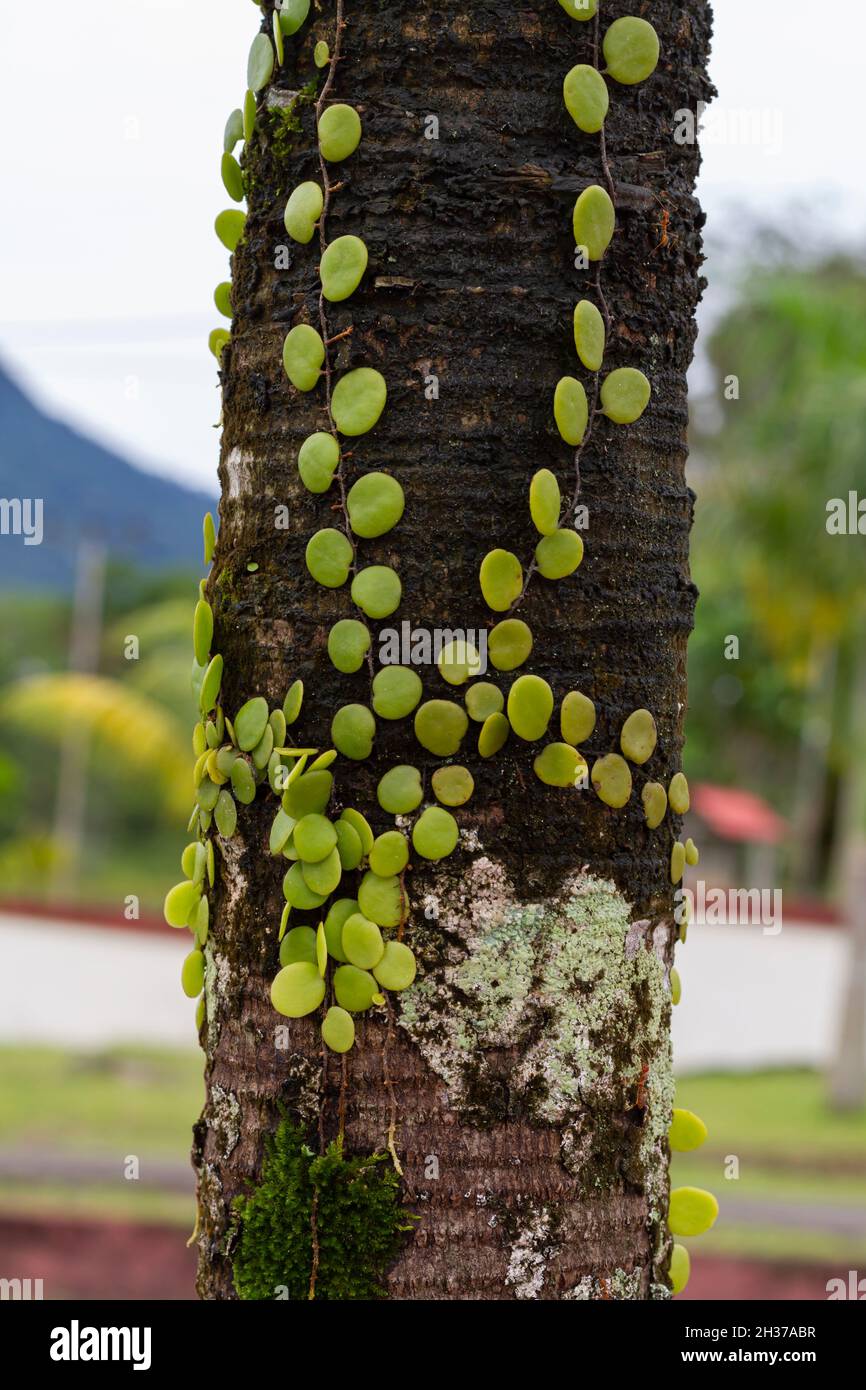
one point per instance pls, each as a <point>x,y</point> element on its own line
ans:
<point>111,183</point>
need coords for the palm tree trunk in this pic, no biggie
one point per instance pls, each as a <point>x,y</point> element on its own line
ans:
<point>524,1083</point>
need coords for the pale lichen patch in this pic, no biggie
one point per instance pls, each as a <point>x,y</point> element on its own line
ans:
<point>238,473</point>
<point>224,1118</point>
<point>619,1286</point>
<point>553,980</point>
<point>530,1253</point>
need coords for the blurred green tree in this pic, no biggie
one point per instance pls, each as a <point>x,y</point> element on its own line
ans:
<point>778,570</point>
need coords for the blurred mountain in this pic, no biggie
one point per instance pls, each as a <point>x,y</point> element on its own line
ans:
<point>85,490</point>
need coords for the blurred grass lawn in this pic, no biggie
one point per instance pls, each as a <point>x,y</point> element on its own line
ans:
<point>791,1149</point>
<point>125,1101</point>
<point>103,1105</point>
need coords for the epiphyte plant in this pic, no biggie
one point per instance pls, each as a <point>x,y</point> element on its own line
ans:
<point>341,948</point>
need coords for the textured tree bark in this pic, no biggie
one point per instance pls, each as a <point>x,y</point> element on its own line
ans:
<point>512,1073</point>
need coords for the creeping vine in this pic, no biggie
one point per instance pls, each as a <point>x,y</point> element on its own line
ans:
<point>346,883</point>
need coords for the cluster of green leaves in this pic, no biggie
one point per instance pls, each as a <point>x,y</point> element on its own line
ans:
<point>358,1220</point>
<point>631,54</point>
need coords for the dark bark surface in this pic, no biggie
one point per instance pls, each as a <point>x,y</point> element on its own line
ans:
<point>471,278</point>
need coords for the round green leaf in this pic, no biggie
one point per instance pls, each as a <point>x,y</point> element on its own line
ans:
<point>292,14</point>
<point>329,557</point>
<point>353,729</point>
<point>687,1131</point>
<point>631,50</point>
<point>303,211</point>
<point>360,824</point>
<point>362,942</point>
<point>180,902</point>
<point>315,837</point>
<point>243,782</point>
<point>375,503</point>
<point>453,785</point>
<point>559,765</point>
<point>298,944</point>
<point>530,705</point>
<point>593,221</point>
<point>229,227</point>
<point>250,723</point>
<point>559,555</point>
<point>324,876</point>
<point>318,458</point>
<point>483,699</point>
<point>611,779</point>
<point>396,691</point>
<point>435,833</point>
<point>396,969</point>
<point>570,409</point>
<point>297,891</point>
<point>321,54</point>
<point>234,131</point>
<point>303,355</point>
<point>349,845</point>
<point>233,179</point>
<point>354,988</point>
<point>298,989</point>
<point>222,298</point>
<point>545,501</point>
<point>381,899</point>
<point>589,334</point>
<point>281,829</point>
<point>639,737</point>
<point>358,401</point>
<point>580,9</point>
<point>680,1268</point>
<point>210,686</point>
<point>342,267</point>
<point>339,132</point>
<point>260,64</point>
<point>218,339</point>
<point>338,1029</point>
<point>249,115</point>
<point>625,395</point>
<point>655,804</point>
<point>501,578</point>
<point>192,974</point>
<point>586,97</point>
<point>494,734</point>
<point>676,983</point>
<point>692,1211</point>
<point>338,915</point>
<point>678,794</point>
<point>440,726</point>
<point>309,792</point>
<point>293,701</point>
<point>377,591</point>
<point>389,855</point>
<point>348,644</point>
<point>399,792</point>
<point>279,45</point>
<point>209,537</point>
<point>576,717</point>
<point>202,631</point>
<point>458,660</point>
<point>509,644</point>
<point>678,862</point>
<point>208,793</point>
<point>225,814</point>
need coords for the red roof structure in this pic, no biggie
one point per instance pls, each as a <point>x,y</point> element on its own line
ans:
<point>738,815</point>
